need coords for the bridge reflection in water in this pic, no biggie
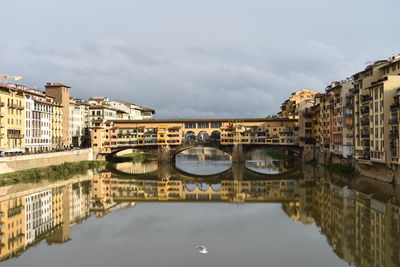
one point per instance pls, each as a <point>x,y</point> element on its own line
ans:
<point>360,218</point>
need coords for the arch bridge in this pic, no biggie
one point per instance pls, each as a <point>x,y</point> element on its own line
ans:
<point>169,137</point>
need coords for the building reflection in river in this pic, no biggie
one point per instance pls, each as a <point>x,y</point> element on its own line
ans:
<point>360,218</point>
<point>108,189</point>
<point>33,212</point>
<point>260,161</point>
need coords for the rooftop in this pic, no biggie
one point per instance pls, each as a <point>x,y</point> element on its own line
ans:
<point>231,120</point>
<point>56,85</point>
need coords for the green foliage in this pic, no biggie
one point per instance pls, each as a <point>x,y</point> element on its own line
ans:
<point>136,156</point>
<point>345,169</point>
<point>50,173</point>
<point>312,162</point>
<point>277,155</point>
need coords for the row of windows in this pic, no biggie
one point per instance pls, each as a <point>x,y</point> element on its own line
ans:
<point>202,125</point>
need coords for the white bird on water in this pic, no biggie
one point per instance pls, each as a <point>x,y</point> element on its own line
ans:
<point>202,250</point>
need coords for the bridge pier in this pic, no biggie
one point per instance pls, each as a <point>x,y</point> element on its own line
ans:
<point>238,169</point>
<point>164,154</point>
<point>164,170</point>
<point>237,154</point>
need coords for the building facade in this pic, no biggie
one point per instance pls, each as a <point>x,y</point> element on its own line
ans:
<point>61,95</point>
<point>12,120</point>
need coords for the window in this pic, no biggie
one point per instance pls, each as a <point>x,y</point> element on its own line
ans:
<point>203,125</point>
<point>216,125</point>
<point>190,125</point>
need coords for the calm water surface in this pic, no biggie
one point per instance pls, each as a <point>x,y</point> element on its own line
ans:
<point>272,215</point>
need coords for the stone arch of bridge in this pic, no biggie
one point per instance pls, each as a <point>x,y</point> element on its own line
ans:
<point>177,150</point>
<point>215,136</point>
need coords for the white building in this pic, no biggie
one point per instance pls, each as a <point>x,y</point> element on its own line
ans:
<point>79,123</point>
<point>79,201</point>
<point>38,121</point>
<point>134,112</point>
<point>101,114</point>
<point>38,215</point>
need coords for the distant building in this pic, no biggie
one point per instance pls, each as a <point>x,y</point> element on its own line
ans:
<point>135,112</point>
<point>79,123</point>
<point>12,120</point>
<point>39,110</point>
<point>61,95</point>
<point>290,108</point>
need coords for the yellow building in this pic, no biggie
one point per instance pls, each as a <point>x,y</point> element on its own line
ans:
<point>12,226</point>
<point>12,120</point>
<point>290,108</point>
<point>57,127</point>
<point>374,92</point>
<point>119,134</point>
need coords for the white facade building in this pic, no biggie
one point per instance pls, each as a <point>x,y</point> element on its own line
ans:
<point>38,215</point>
<point>101,114</point>
<point>79,201</point>
<point>135,112</point>
<point>38,122</point>
<point>79,123</point>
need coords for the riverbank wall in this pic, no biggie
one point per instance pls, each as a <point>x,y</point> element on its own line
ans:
<point>24,162</point>
<point>368,169</point>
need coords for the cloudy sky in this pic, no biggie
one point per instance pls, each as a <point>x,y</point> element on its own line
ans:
<point>187,58</point>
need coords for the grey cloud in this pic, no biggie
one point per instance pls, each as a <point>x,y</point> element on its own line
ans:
<point>215,85</point>
<point>202,59</point>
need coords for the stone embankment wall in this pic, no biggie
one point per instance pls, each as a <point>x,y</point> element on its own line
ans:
<point>375,171</point>
<point>379,172</point>
<point>24,162</point>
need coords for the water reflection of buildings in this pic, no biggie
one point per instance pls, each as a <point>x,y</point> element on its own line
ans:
<point>31,212</point>
<point>137,167</point>
<point>204,153</point>
<point>108,190</point>
<point>259,160</point>
<point>360,220</point>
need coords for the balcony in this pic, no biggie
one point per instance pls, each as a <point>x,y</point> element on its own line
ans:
<point>365,135</point>
<point>364,111</point>
<point>15,105</point>
<point>349,105</point>
<point>365,123</point>
<point>15,136</point>
<point>395,106</point>
<point>365,98</point>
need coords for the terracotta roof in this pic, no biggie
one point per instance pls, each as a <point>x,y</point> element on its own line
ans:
<point>231,120</point>
<point>148,110</point>
<point>44,102</point>
<point>56,85</point>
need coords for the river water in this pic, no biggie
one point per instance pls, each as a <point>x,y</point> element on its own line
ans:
<point>267,212</point>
